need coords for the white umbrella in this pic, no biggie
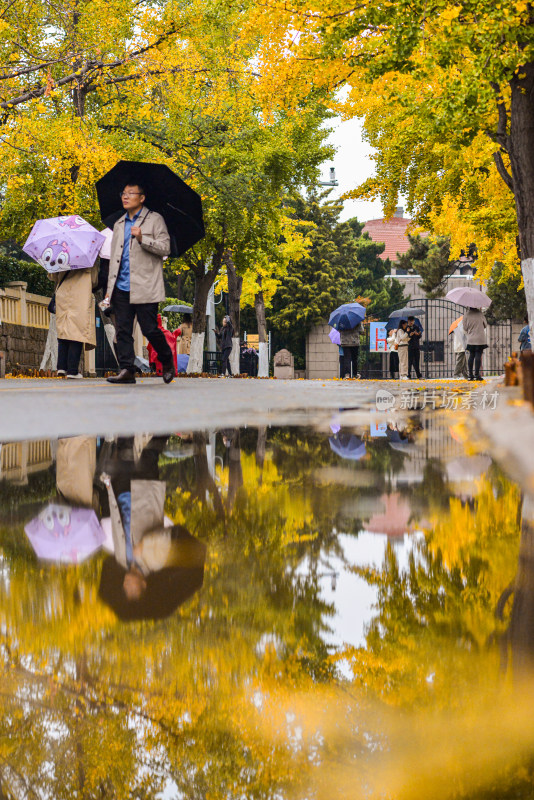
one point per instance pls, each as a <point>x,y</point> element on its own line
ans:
<point>466,296</point>
<point>105,250</point>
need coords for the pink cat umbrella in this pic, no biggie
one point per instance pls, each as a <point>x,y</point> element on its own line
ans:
<point>65,534</point>
<point>60,244</point>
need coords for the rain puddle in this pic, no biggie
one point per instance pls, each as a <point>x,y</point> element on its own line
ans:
<point>265,613</point>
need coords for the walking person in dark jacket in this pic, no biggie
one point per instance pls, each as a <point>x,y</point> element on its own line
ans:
<point>225,338</point>
<point>414,352</point>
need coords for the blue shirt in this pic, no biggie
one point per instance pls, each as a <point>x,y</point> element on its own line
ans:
<point>124,501</point>
<point>123,278</point>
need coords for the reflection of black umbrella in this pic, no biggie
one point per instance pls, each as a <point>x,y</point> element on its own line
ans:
<point>178,309</point>
<point>166,193</point>
<point>166,589</point>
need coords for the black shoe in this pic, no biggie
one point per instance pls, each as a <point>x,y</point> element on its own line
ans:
<point>169,373</point>
<point>471,378</point>
<point>124,376</point>
<point>478,378</point>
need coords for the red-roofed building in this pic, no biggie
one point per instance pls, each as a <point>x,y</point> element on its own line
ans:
<point>392,232</point>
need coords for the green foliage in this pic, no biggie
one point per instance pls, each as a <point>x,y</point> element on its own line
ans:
<point>14,269</point>
<point>507,295</point>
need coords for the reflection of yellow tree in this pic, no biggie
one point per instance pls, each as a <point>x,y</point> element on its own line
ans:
<point>436,626</point>
<point>120,709</point>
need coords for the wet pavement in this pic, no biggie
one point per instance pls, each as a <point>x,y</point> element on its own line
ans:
<point>33,408</point>
<point>343,609</point>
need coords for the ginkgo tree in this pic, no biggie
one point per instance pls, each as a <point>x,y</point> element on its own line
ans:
<point>449,76</point>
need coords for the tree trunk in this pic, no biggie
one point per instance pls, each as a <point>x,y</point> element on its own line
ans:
<point>204,483</point>
<point>235,470</point>
<point>521,630</point>
<point>203,282</point>
<point>259,305</point>
<point>520,146</point>
<point>261,445</point>
<point>235,287</point>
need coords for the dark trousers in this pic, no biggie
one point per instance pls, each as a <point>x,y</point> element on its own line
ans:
<point>68,355</point>
<point>393,363</point>
<point>474,362</point>
<point>350,358</point>
<point>147,317</point>
<point>414,354</point>
<point>226,361</point>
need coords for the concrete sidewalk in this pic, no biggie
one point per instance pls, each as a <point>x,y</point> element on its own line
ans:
<point>40,408</point>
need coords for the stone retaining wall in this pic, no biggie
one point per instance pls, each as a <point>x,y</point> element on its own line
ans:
<point>24,346</point>
<point>322,357</point>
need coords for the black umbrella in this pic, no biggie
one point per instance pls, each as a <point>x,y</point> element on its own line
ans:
<point>178,309</point>
<point>166,193</point>
<point>166,589</point>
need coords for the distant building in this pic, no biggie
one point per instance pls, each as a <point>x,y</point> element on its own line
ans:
<point>393,232</point>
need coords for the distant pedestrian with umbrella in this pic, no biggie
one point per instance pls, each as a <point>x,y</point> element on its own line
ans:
<point>474,323</point>
<point>144,233</point>
<point>393,353</point>
<point>459,344</point>
<point>347,321</point>
<point>402,341</point>
<point>415,331</point>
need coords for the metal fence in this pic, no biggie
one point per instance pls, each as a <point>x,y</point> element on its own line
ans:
<point>437,355</point>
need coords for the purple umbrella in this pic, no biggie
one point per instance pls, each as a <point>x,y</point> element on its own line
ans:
<point>64,243</point>
<point>334,336</point>
<point>65,534</point>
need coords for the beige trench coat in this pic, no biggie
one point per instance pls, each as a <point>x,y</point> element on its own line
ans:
<point>146,258</point>
<point>75,469</point>
<point>154,546</point>
<point>75,305</point>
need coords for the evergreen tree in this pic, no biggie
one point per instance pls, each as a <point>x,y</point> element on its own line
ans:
<point>320,281</point>
<point>507,295</point>
<point>430,258</point>
<point>370,280</point>
<point>341,266</point>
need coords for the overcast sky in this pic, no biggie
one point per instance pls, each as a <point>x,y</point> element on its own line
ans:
<point>353,165</point>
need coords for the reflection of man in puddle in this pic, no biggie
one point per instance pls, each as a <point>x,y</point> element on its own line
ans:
<point>156,564</point>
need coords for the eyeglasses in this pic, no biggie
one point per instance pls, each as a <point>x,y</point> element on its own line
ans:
<point>129,194</point>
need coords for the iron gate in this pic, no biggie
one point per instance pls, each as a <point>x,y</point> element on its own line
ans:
<point>437,355</point>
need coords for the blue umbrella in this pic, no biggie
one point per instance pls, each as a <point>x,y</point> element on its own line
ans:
<point>347,445</point>
<point>347,316</point>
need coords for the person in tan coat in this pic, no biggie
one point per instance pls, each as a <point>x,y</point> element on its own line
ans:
<point>135,283</point>
<point>75,317</point>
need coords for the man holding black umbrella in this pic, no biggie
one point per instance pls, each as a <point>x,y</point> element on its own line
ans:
<point>135,285</point>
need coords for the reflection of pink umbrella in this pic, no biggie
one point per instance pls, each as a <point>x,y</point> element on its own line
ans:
<point>395,519</point>
<point>65,534</point>
<point>60,244</point>
<point>334,336</point>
